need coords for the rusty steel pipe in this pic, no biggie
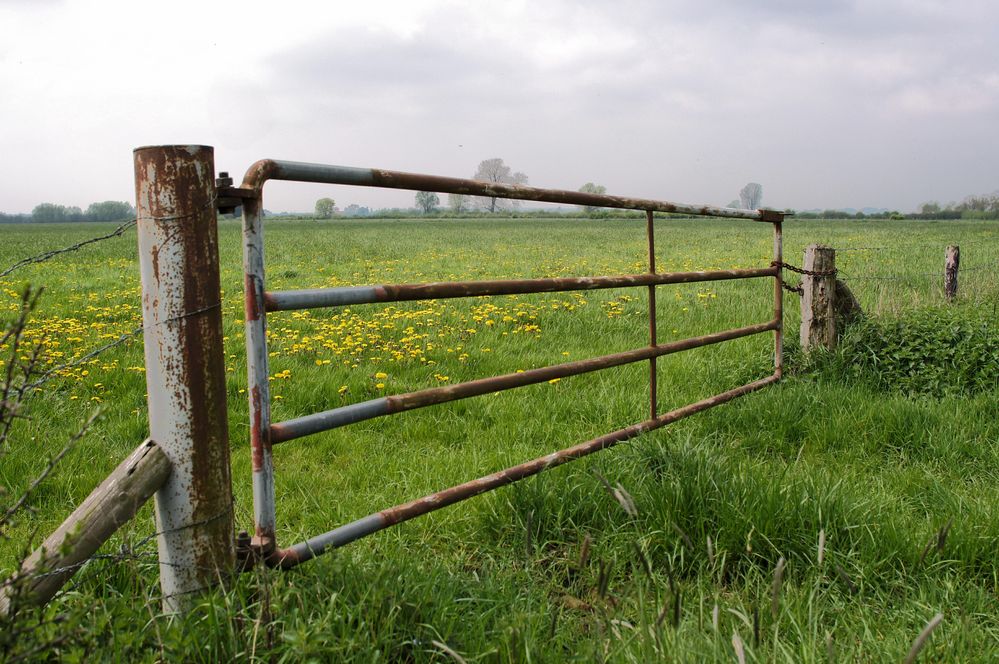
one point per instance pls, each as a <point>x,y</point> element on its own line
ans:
<point>291,300</point>
<point>304,551</point>
<point>272,169</point>
<point>185,365</point>
<point>779,299</point>
<point>653,388</point>
<point>257,369</point>
<point>366,410</point>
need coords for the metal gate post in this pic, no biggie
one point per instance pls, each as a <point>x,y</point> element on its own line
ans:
<point>185,365</point>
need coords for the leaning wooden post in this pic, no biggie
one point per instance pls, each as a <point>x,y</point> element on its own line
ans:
<point>106,509</point>
<point>818,321</point>
<point>952,260</point>
<point>185,370</point>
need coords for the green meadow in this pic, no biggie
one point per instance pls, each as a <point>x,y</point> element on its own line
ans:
<point>871,471</point>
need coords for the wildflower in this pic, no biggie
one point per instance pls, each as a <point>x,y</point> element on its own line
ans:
<point>381,375</point>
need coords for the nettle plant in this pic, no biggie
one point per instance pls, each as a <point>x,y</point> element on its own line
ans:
<point>932,352</point>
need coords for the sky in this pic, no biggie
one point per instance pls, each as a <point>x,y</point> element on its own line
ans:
<point>827,104</point>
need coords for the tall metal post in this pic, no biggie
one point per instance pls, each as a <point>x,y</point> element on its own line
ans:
<point>185,365</point>
<point>264,518</point>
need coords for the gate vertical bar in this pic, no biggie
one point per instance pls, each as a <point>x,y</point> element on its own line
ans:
<point>185,366</point>
<point>257,367</point>
<point>653,388</point>
<point>779,299</point>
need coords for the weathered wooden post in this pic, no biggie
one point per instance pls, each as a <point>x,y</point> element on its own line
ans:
<point>106,509</point>
<point>185,371</point>
<point>818,319</point>
<point>952,261</point>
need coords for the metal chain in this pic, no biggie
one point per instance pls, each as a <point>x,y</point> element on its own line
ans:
<point>812,273</point>
<point>793,289</point>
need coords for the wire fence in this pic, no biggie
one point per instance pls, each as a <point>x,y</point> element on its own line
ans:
<point>140,551</point>
<point>47,255</point>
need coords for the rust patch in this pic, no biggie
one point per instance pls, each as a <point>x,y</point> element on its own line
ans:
<point>256,430</point>
<point>251,304</point>
<point>258,173</point>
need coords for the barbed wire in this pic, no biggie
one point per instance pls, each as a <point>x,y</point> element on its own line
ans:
<point>924,245</point>
<point>46,255</point>
<point>128,552</point>
<point>50,373</point>
<point>52,253</point>
<point>902,276</point>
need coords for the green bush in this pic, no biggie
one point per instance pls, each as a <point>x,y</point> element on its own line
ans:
<point>933,352</point>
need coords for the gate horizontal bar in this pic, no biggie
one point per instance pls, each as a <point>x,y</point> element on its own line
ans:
<point>372,523</point>
<point>296,171</point>
<point>290,300</point>
<point>365,410</point>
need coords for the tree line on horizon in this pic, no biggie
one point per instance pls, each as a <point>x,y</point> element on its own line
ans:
<point>47,213</point>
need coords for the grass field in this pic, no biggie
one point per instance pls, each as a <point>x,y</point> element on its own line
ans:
<point>874,449</point>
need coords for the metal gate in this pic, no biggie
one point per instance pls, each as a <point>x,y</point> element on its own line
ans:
<point>259,301</point>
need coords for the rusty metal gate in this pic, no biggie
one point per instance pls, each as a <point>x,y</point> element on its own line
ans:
<point>259,301</point>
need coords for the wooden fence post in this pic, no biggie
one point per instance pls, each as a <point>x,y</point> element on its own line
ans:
<point>110,505</point>
<point>952,260</point>
<point>185,366</point>
<point>818,318</point>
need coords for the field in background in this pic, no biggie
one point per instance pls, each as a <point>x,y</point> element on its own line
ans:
<point>500,578</point>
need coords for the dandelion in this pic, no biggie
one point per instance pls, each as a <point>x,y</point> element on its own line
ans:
<point>381,375</point>
<point>342,390</point>
<point>380,386</point>
<point>554,380</point>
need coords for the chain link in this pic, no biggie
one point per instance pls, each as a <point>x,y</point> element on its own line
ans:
<point>811,273</point>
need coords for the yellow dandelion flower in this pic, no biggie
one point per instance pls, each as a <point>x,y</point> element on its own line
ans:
<point>381,375</point>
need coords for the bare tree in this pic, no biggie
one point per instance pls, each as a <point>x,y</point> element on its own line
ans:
<point>590,188</point>
<point>495,171</point>
<point>751,196</point>
<point>427,201</point>
<point>458,203</point>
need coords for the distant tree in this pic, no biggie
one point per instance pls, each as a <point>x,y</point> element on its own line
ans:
<point>590,188</point>
<point>458,203</point>
<point>495,171</point>
<point>931,207</point>
<point>110,211</point>
<point>427,201</point>
<point>751,196</point>
<point>48,212</point>
<point>733,204</point>
<point>324,208</point>
<point>355,210</point>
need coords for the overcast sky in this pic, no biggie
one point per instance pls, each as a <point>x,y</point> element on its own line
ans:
<point>825,103</point>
